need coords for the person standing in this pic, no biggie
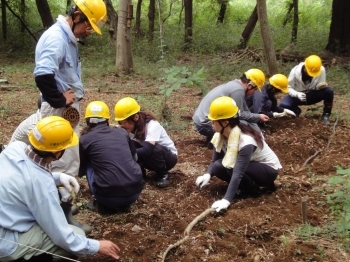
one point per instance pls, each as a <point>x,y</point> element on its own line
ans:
<point>237,89</point>
<point>307,86</point>
<point>58,70</point>
<point>107,157</point>
<point>32,220</point>
<point>155,149</point>
<point>241,156</point>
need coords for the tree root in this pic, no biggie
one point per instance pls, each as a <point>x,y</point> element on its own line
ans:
<point>187,232</point>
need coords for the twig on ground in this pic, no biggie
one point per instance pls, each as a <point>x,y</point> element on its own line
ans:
<point>187,232</point>
<point>320,150</point>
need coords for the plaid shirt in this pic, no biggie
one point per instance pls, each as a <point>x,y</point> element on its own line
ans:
<point>37,159</point>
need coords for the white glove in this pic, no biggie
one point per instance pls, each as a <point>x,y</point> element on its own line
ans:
<point>65,195</point>
<point>321,85</point>
<point>201,181</point>
<point>220,204</point>
<point>68,182</point>
<point>289,112</point>
<point>300,95</point>
<point>276,115</point>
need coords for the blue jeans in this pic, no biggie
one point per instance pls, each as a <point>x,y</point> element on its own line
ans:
<point>109,202</point>
<point>205,130</point>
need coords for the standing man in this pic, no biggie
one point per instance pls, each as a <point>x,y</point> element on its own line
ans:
<point>58,71</point>
<point>307,86</point>
<point>237,89</point>
<point>32,220</point>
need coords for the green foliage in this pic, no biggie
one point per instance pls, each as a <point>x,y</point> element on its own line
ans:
<point>339,201</point>
<point>178,76</point>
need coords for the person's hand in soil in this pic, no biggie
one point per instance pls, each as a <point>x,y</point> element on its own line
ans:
<point>220,205</point>
<point>108,248</point>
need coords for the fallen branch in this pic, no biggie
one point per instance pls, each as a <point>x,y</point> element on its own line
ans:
<point>187,232</point>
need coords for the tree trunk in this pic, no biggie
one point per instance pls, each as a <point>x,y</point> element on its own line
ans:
<point>249,28</point>
<point>295,21</point>
<point>112,20</point>
<point>124,61</point>
<point>339,37</point>
<point>3,19</point>
<point>188,22</point>
<point>269,48</point>
<point>68,5</point>
<point>151,17</point>
<point>45,13</point>
<point>137,27</point>
<point>222,12</point>
<point>22,12</point>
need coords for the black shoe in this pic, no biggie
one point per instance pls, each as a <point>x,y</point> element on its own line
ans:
<point>210,146</point>
<point>163,180</point>
<point>325,118</point>
<point>75,210</point>
<point>67,209</point>
<point>253,190</point>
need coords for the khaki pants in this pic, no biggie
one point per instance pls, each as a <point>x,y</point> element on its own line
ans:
<point>70,161</point>
<point>38,239</point>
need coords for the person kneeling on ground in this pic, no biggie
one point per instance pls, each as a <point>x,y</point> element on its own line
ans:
<point>32,220</point>
<point>155,150</point>
<point>238,89</point>
<point>265,102</point>
<point>107,157</point>
<point>307,86</point>
<point>241,156</point>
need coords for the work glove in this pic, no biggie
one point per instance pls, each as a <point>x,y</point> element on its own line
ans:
<point>300,95</point>
<point>65,195</point>
<point>277,115</point>
<point>220,204</point>
<point>201,181</point>
<point>289,112</point>
<point>321,85</point>
<point>68,182</point>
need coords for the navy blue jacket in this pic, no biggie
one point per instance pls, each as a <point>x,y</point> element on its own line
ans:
<point>109,151</point>
<point>263,102</point>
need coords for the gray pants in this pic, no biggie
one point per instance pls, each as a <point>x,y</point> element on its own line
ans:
<point>38,239</point>
<point>70,161</point>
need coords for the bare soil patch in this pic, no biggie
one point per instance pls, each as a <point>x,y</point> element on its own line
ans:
<point>252,227</point>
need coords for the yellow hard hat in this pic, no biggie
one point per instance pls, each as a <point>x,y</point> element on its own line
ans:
<point>97,109</point>
<point>95,11</point>
<point>125,107</point>
<point>223,107</point>
<point>313,65</point>
<point>52,134</point>
<point>280,82</point>
<point>256,76</point>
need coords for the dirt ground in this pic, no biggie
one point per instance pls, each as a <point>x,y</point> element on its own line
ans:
<point>252,229</point>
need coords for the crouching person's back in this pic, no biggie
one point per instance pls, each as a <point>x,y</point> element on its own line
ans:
<point>108,159</point>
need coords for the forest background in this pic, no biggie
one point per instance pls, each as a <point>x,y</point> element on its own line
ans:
<point>171,64</point>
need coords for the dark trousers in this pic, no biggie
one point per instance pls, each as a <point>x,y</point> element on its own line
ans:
<point>206,130</point>
<point>312,97</point>
<point>258,173</point>
<point>160,161</point>
<point>109,202</point>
